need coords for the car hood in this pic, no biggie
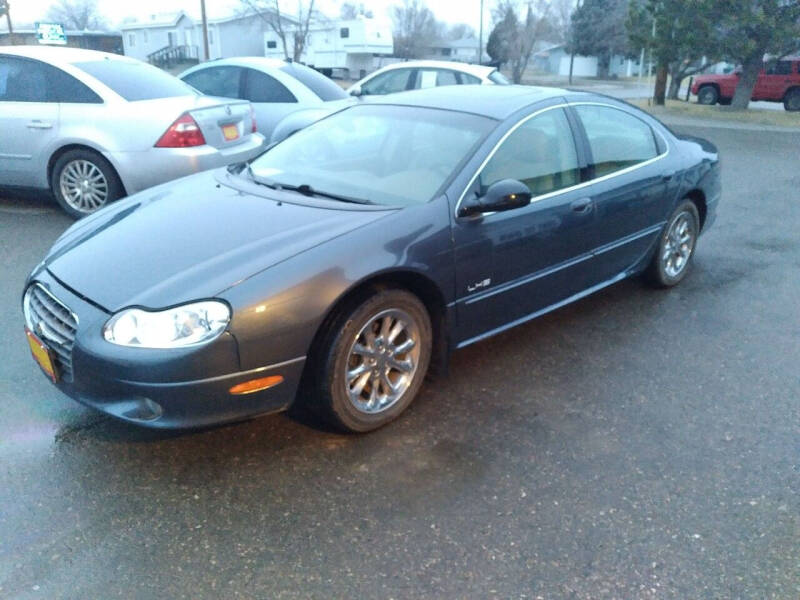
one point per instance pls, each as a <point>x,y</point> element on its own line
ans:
<point>190,239</point>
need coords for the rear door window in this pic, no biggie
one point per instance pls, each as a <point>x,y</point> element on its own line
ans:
<point>260,87</point>
<point>221,81</point>
<point>22,80</point>
<point>467,79</point>
<point>617,139</point>
<point>781,67</point>
<point>63,87</point>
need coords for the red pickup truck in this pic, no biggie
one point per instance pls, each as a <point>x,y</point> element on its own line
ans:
<point>778,82</point>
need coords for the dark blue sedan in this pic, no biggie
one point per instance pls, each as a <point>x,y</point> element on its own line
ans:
<point>341,264</point>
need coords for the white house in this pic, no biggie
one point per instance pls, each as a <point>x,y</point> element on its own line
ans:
<point>462,50</point>
<point>353,44</point>
<point>555,59</point>
<point>228,36</point>
<point>140,39</point>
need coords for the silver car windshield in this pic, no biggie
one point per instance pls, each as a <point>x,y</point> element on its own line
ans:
<point>379,154</point>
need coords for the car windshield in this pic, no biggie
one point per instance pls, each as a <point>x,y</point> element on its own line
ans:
<point>134,80</point>
<point>317,82</point>
<point>378,154</point>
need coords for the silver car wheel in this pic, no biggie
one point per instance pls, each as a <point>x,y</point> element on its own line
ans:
<point>382,361</point>
<point>679,244</point>
<point>83,186</point>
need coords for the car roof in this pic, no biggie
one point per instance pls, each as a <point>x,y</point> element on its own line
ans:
<point>61,55</point>
<point>494,101</point>
<point>477,70</point>
<point>248,61</point>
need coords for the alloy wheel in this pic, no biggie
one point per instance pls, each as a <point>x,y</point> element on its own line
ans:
<point>83,186</point>
<point>679,244</point>
<point>382,361</point>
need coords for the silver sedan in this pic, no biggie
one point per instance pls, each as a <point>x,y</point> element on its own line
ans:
<point>93,127</point>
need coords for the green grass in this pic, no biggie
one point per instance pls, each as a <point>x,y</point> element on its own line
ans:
<point>693,110</point>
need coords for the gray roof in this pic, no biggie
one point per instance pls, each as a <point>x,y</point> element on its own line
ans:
<point>494,101</point>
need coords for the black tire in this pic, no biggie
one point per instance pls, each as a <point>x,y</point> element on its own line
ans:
<point>107,181</point>
<point>707,95</point>
<point>791,101</point>
<point>661,272</point>
<point>329,392</point>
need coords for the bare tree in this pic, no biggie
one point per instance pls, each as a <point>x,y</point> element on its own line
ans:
<point>415,28</point>
<point>292,31</point>
<point>77,14</point>
<point>460,31</point>
<point>351,10</point>
<point>512,41</point>
<point>561,18</point>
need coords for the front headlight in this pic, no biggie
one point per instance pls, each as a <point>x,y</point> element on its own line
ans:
<point>185,325</point>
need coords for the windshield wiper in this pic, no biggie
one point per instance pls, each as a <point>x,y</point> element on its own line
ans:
<point>304,189</point>
<point>307,190</point>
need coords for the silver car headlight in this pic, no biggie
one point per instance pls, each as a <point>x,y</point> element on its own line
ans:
<point>186,325</point>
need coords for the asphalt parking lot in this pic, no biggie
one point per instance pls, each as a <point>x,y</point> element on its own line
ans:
<point>637,444</point>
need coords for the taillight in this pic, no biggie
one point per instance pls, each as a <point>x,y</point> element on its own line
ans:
<point>253,118</point>
<point>183,133</point>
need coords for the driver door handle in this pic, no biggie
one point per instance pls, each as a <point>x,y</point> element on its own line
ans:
<point>582,205</point>
<point>38,124</point>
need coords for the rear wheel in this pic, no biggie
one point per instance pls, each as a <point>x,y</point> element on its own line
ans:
<point>707,95</point>
<point>84,182</point>
<point>791,101</point>
<point>376,357</point>
<point>676,246</point>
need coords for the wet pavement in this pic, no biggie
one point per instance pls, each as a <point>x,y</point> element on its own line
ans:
<point>637,444</point>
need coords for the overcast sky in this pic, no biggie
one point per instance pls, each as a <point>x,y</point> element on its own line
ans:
<point>451,11</point>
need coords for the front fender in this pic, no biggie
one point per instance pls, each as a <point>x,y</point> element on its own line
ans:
<point>278,312</point>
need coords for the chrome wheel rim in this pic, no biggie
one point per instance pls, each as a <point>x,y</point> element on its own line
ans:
<point>678,244</point>
<point>794,101</point>
<point>382,361</point>
<point>83,186</point>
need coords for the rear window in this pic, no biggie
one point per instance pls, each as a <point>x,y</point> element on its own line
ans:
<point>317,82</point>
<point>136,80</point>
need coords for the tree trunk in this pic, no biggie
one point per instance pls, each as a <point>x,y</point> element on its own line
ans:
<point>747,80</point>
<point>661,84</point>
<point>674,87</point>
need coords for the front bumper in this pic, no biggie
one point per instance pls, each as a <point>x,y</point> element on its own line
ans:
<point>142,170</point>
<point>175,388</point>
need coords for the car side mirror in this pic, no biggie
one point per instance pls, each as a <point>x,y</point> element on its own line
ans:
<point>356,91</point>
<point>507,194</point>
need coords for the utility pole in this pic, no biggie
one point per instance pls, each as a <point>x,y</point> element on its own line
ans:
<point>572,50</point>
<point>480,37</point>
<point>205,28</point>
<point>6,8</point>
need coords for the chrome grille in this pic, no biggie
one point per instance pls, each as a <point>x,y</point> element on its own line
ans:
<point>51,320</point>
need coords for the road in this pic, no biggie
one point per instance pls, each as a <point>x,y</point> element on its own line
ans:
<point>637,444</point>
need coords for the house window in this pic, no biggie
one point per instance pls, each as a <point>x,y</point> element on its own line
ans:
<point>344,32</point>
<point>272,44</point>
<point>144,35</point>
<point>131,39</point>
<point>210,36</point>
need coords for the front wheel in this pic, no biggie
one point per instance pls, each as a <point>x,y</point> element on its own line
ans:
<point>707,95</point>
<point>84,182</point>
<point>676,246</point>
<point>376,357</point>
<point>791,101</point>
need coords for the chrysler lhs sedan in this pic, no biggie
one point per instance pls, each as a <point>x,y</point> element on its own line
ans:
<point>346,260</point>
